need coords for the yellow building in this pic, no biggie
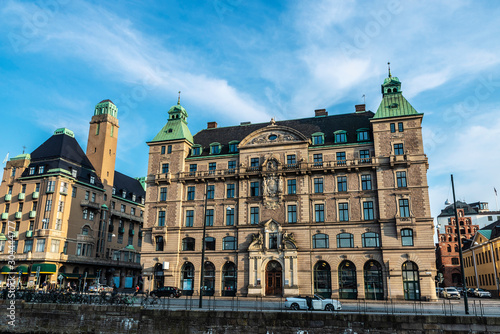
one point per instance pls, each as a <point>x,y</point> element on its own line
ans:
<point>482,259</point>
<point>69,217</point>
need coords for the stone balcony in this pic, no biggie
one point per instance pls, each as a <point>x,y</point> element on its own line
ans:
<point>89,204</point>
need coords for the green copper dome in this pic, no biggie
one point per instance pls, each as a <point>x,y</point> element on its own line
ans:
<point>176,127</point>
<point>393,102</point>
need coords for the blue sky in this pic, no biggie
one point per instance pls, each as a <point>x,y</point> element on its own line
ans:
<point>239,61</point>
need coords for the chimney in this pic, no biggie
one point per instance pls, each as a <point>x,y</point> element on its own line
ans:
<point>320,112</point>
<point>360,107</point>
<point>212,125</point>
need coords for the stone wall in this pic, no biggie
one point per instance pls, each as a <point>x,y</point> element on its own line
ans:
<point>54,318</point>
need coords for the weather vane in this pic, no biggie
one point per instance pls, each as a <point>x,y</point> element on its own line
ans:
<point>389,66</point>
<point>179,99</point>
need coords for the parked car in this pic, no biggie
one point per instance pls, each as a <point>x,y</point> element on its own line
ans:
<point>439,292</point>
<point>317,303</point>
<point>460,291</point>
<point>100,288</point>
<point>451,292</point>
<point>470,292</point>
<point>482,293</point>
<point>166,291</point>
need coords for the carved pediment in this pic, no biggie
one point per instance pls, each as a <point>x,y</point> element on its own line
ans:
<point>271,135</point>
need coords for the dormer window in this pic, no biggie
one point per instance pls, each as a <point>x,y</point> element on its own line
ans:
<point>73,172</point>
<point>124,194</point>
<point>92,180</point>
<point>113,191</point>
<point>340,136</point>
<point>32,170</point>
<point>233,146</point>
<point>41,169</point>
<point>318,138</point>
<point>133,197</point>
<point>363,135</point>
<point>196,150</point>
<point>142,202</point>
<point>215,148</point>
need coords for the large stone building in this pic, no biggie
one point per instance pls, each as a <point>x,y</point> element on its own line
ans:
<point>335,205</point>
<point>69,217</point>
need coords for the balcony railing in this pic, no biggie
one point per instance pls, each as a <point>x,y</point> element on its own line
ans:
<point>32,214</point>
<point>18,215</point>
<point>89,204</point>
<point>21,196</point>
<point>8,197</point>
<point>36,194</point>
<point>5,215</point>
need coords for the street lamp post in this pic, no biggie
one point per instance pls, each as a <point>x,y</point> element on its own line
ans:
<point>464,284</point>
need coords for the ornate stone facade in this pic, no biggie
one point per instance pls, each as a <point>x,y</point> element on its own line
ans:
<point>333,205</point>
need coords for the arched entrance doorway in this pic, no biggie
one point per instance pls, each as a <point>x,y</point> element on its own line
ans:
<point>187,279</point>
<point>348,286</point>
<point>411,284</point>
<point>322,279</point>
<point>374,286</point>
<point>158,276</point>
<point>274,277</point>
<point>229,279</point>
<point>208,279</point>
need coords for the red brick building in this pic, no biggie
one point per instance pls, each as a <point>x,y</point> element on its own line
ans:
<point>447,255</point>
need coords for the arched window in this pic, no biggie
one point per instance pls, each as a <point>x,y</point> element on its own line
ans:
<point>187,278</point>
<point>229,279</point>
<point>320,240</point>
<point>448,248</point>
<point>370,239</point>
<point>348,287</point>
<point>208,279</point>
<point>322,279</point>
<point>229,243</point>
<point>209,243</point>
<point>407,237</point>
<point>158,276</point>
<point>456,248</point>
<point>374,285</point>
<point>345,240</point>
<point>85,230</point>
<point>411,282</point>
<point>76,270</point>
<point>188,244</point>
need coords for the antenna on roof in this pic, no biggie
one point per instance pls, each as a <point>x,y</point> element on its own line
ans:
<point>389,66</point>
<point>364,99</point>
<point>24,147</point>
<point>179,99</point>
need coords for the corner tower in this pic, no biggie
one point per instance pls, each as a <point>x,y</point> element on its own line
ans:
<point>103,137</point>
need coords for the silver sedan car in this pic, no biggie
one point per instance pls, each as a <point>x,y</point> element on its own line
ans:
<point>316,303</point>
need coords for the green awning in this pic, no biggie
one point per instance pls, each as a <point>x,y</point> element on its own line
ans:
<point>2,237</point>
<point>130,247</point>
<point>45,268</point>
<point>24,269</point>
<point>77,276</point>
<point>5,270</point>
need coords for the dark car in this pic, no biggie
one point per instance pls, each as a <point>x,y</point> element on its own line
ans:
<point>167,291</point>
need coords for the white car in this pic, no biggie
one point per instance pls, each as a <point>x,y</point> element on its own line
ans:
<point>482,293</point>
<point>451,292</point>
<point>318,303</point>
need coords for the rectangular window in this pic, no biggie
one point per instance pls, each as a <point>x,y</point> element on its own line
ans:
<point>190,193</point>
<point>254,215</point>
<point>40,245</point>
<point>393,127</point>
<point>230,216</point>
<point>163,150</point>
<point>233,147</point>
<point>51,185</point>
<point>58,224</point>
<point>164,168</point>
<point>273,240</point>
<point>400,127</point>
<point>398,149</point>
<point>87,195</point>
<point>214,149</point>
<point>254,162</point>
<point>32,170</point>
<point>366,182</point>
<point>404,208</point>
<point>161,218</point>
<point>343,212</point>
<point>231,165</point>
<point>292,186</point>
<point>196,150</point>
<point>364,155</point>
<point>169,149</point>
<point>341,159</point>
<point>318,160</point>
<point>291,159</point>
<point>212,167</point>
<point>317,140</point>
<point>41,169</point>
<point>37,187</point>
<point>318,185</point>
<point>193,168</point>
<point>93,197</point>
<point>401,179</point>
<point>340,137</point>
<point>230,190</point>
<point>163,194</point>
<point>63,188</point>
<point>341,183</point>
<point>209,221</point>
<point>73,192</point>
<point>292,213</point>
<point>363,136</point>
<point>92,180</point>
<point>48,205</point>
<point>210,191</point>
<point>54,246</point>
<point>319,213</point>
<point>28,245</point>
<point>368,210</point>
<point>407,237</point>
<point>189,218</point>
<point>254,188</point>
<point>123,208</point>
<point>60,207</point>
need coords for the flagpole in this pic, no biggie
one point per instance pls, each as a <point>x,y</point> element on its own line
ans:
<point>496,197</point>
